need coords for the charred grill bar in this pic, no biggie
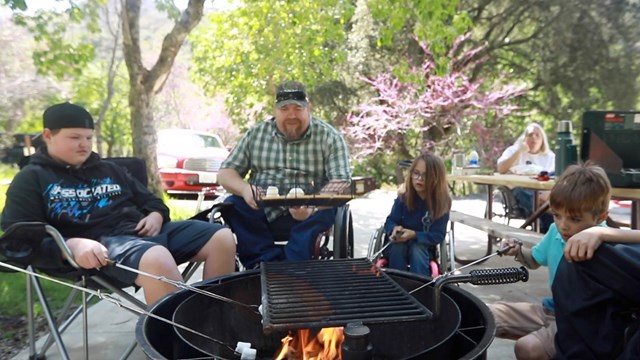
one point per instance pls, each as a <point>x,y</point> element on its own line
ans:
<point>317,294</point>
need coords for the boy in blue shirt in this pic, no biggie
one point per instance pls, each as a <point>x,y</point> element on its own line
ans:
<point>579,200</point>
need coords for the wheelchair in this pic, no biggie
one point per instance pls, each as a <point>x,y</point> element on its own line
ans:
<point>441,261</point>
<point>442,256</point>
<point>337,242</point>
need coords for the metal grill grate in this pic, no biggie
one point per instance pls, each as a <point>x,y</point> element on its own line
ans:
<point>317,294</point>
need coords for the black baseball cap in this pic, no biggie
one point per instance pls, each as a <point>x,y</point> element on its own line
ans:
<point>66,115</point>
<point>291,92</point>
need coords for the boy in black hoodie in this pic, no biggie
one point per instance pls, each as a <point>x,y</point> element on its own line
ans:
<point>105,214</point>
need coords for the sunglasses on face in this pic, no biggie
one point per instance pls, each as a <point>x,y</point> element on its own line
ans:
<point>291,95</point>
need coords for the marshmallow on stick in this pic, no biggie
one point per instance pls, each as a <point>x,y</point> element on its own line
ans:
<point>272,191</point>
<point>295,192</point>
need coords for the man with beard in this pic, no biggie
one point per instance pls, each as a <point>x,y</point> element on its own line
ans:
<point>291,150</point>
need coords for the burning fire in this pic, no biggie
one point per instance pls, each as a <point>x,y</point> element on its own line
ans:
<point>325,345</point>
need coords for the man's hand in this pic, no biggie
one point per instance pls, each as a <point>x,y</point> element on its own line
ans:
<point>89,254</point>
<point>301,212</point>
<point>583,245</point>
<point>251,194</point>
<point>150,225</point>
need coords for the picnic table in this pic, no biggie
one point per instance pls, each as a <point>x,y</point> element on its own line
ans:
<point>496,231</point>
<point>529,182</point>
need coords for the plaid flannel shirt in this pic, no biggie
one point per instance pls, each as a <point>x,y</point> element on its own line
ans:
<point>319,156</point>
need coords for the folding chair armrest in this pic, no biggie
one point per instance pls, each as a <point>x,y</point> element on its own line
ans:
<point>66,252</point>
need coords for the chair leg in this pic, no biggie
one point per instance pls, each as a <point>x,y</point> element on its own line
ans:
<point>85,322</point>
<point>53,328</point>
<point>189,270</point>
<point>63,325</point>
<point>31,319</point>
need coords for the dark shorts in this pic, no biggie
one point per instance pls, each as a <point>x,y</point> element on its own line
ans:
<point>183,239</point>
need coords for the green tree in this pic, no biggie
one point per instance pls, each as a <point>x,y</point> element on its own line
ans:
<point>245,52</point>
<point>437,22</point>
<point>21,88</point>
<point>63,57</point>
<point>145,83</point>
<point>575,54</point>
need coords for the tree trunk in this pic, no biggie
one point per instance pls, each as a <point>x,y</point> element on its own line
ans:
<point>144,83</point>
<point>145,138</point>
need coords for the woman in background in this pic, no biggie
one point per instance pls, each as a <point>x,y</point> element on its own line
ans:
<point>531,148</point>
<point>419,216</point>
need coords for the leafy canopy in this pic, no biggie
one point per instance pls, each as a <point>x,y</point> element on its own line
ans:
<point>245,52</point>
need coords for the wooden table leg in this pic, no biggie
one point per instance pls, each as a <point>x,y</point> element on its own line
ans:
<point>536,222</point>
<point>635,214</point>
<point>489,202</point>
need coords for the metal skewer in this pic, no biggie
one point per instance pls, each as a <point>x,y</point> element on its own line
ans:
<point>117,302</point>
<point>380,251</point>
<point>183,285</point>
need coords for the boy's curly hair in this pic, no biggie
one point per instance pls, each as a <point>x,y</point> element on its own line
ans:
<point>582,188</point>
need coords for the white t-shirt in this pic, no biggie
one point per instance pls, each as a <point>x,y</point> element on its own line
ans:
<point>546,161</point>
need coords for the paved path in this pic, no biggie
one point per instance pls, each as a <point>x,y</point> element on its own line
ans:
<point>112,329</point>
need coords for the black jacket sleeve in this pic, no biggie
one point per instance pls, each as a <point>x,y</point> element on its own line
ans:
<point>25,203</point>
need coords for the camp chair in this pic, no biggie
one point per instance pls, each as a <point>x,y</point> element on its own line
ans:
<point>509,209</point>
<point>18,247</point>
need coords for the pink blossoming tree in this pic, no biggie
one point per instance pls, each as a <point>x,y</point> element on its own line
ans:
<point>428,110</point>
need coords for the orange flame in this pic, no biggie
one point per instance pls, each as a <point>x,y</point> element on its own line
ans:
<point>325,345</point>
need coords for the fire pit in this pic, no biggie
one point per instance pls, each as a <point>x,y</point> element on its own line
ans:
<point>463,330</point>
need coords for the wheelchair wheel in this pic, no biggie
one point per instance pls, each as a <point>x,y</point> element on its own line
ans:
<point>444,256</point>
<point>375,243</point>
<point>343,234</point>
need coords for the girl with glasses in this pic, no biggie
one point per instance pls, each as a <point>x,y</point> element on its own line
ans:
<point>418,219</point>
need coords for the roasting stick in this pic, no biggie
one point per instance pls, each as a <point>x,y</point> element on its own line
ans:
<point>183,285</point>
<point>114,300</point>
<point>392,239</point>
<point>499,252</point>
<point>380,251</point>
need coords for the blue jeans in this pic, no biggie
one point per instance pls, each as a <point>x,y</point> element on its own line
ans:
<point>256,236</point>
<point>410,253</point>
<point>524,198</point>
